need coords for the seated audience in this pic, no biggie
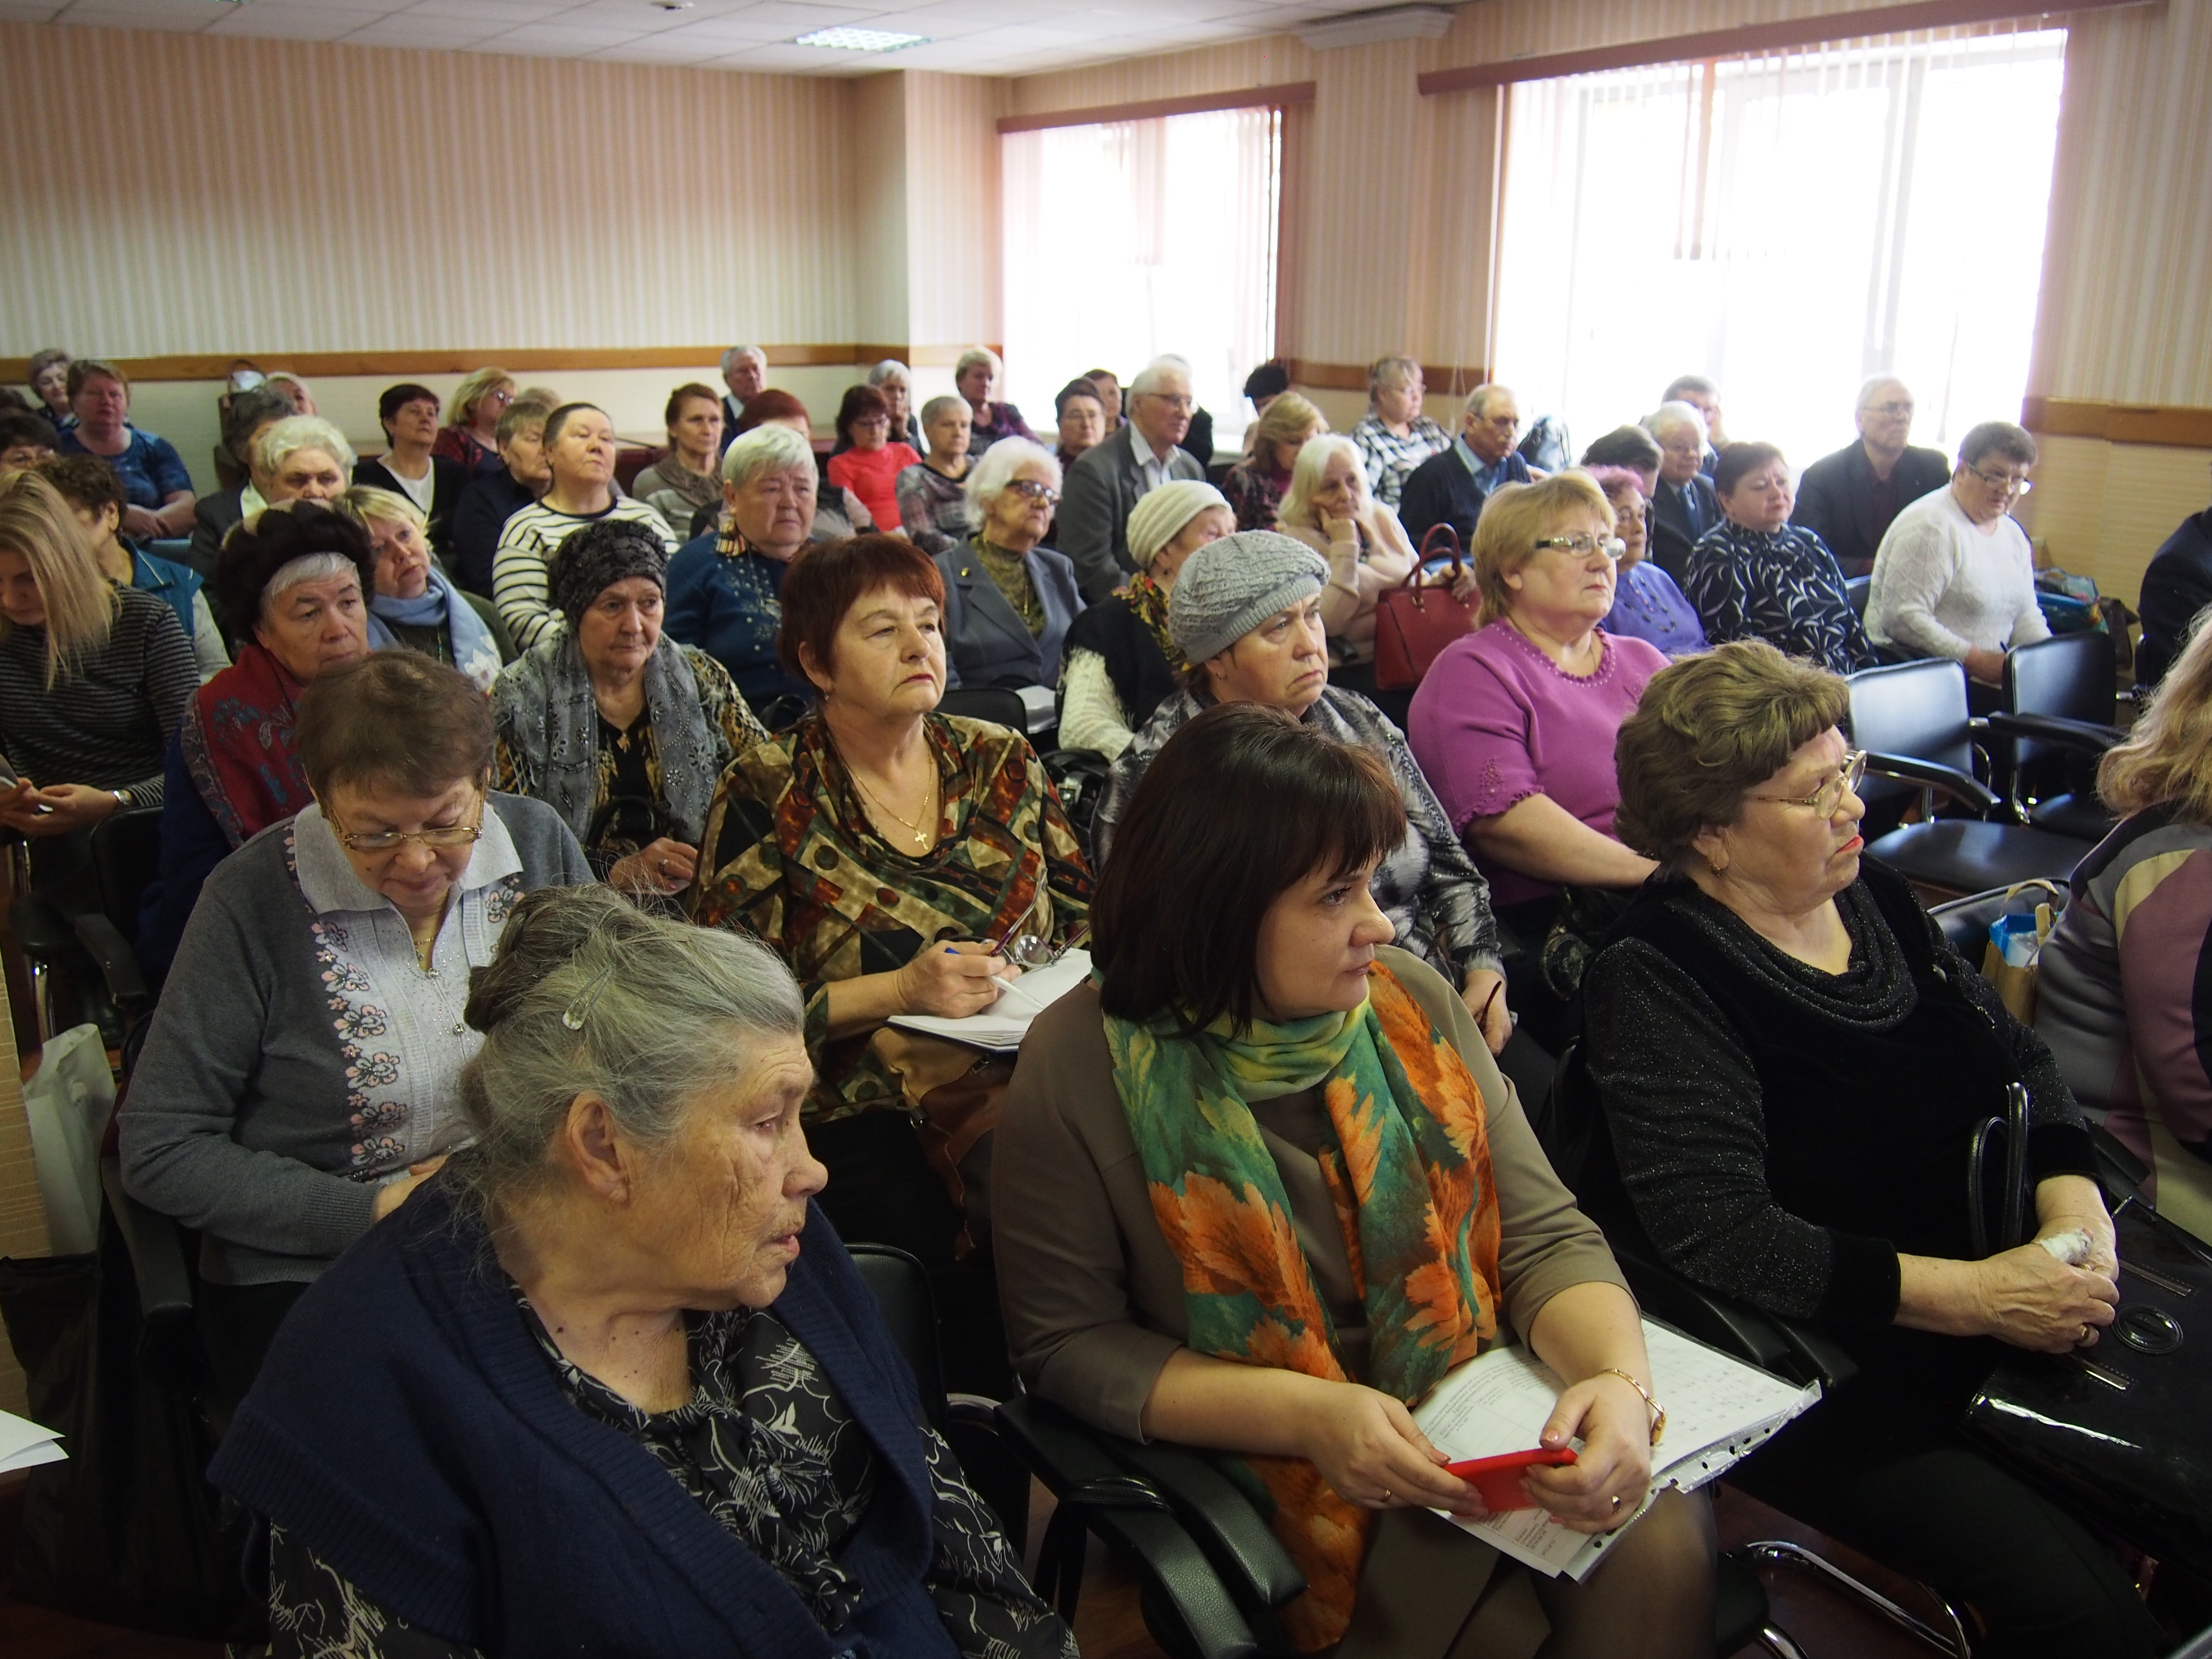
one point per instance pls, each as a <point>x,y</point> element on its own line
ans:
<point>2176,586</point>
<point>1329,509</point>
<point>723,589</point>
<point>1111,477</point>
<point>838,512</point>
<point>47,376</point>
<point>1247,614</point>
<point>933,495</point>
<point>871,461</point>
<point>1683,506</point>
<point>1702,395</point>
<point>1646,604</point>
<point>2117,995</point>
<point>1262,386</point>
<point>731,1465</point>
<point>622,731</point>
<point>416,604</point>
<point>1120,662</point>
<point>1109,395</point>
<point>1633,447</point>
<point>492,498</point>
<point>1757,576</point>
<point>688,479</point>
<point>26,439</point>
<point>1008,597</point>
<point>1794,1066</point>
<point>1452,484</point>
<point>873,846</point>
<point>744,371</point>
<point>975,376</point>
<point>1955,576</point>
<point>1217,1140</point>
<point>409,414</point>
<point>1850,498</point>
<point>245,416</point>
<point>580,455</point>
<point>1255,486</point>
<point>94,496</point>
<point>153,473</point>
<point>1081,413</point>
<point>470,437</point>
<point>895,381</point>
<point>1394,437</point>
<point>301,1074</point>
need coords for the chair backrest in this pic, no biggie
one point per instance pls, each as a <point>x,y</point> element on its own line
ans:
<point>900,1285</point>
<point>126,857</point>
<point>2072,676</point>
<point>1914,708</point>
<point>997,703</point>
<point>1855,589</point>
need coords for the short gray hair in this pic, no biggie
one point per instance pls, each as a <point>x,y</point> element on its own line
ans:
<point>1671,415</point>
<point>1477,401</point>
<point>769,448</point>
<point>248,411</point>
<point>730,357</point>
<point>889,365</point>
<point>944,405</point>
<point>975,355</point>
<point>1404,370</point>
<point>988,478</point>
<point>587,994</point>
<point>1868,388</point>
<point>278,443</point>
<point>1148,378</point>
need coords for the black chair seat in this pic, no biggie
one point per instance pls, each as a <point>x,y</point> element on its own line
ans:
<point>2082,817</point>
<point>1965,856</point>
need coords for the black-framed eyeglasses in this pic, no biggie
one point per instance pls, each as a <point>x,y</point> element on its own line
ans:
<point>1830,795</point>
<point>1583,546</point>
<point>1030,490</point>
<point>2011,486</point>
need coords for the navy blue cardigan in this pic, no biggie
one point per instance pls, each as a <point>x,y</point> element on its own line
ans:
<point>408,1429</point>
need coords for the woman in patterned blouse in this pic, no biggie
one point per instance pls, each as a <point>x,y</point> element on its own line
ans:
<point>932,497</point>
<point>885,850</point>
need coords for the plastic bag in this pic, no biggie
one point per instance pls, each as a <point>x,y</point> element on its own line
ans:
<point>2008,963</point>
<point>69,1100</point>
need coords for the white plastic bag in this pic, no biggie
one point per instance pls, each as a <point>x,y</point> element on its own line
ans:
<point>69,1101</point>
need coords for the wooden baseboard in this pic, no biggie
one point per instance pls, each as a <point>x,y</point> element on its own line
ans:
<point>2178,426</point>
<point>398,365</point>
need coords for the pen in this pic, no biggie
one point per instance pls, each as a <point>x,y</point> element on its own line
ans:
<point>1486,1001</point>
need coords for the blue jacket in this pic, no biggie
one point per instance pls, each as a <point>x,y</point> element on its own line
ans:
<point>732,609</point>
<point>986,643</point>
<point>172,583</point>
<point>408,1429</point>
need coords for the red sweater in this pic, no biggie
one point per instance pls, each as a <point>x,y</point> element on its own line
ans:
<point>872,474</point>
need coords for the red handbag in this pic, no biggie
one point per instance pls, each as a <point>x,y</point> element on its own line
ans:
<point>1416,620</point>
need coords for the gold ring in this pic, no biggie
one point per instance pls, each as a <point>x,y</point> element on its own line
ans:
<point>1616,1500</point>
<point>1386,1494</point>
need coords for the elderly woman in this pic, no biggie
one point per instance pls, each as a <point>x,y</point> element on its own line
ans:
<point>470,437</point>
<point>409,465</point>
<point>1180,1129</point>
<point>1245,612</point>
<point>977,375</point>
<point>47,376</point>
<point>615,1346</point>
<point>723,590</point>
<point>1794,1066</point>
<point>1646,604</point>
<point>154,475</point>
<point>579,447</point>
<point>876,845</point>
<point>1255,486</point>
<point>301,1071</point>
<point>688,479</point>
<point>1954,576</point>
<point>622,730</point>
<point>26,439</point>
<point>1683,504</point>
<point>2117,995</point>
<point>245,416</point>
<point>1756,575</point>
<point>838,512</point>
<point>895,381</point>
<point>1081,415</point>
<point>1008,599</point>
<point>1329,508</point>
<point>95,495</point>
<point>1119,661</point>
<point>416,604</point>
<point>492,498</point>
<point>302,394</point>
<point>933,496</point>
<point>869,461</point>
<point>1394,437</point>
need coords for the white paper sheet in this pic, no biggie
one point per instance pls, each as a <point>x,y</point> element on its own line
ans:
<point>24,1445</point>
<point>1001,1027</point>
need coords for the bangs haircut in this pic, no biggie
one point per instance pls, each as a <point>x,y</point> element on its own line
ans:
<point>397,720</point>
<point>828,579</point>
<point>1238,807</point>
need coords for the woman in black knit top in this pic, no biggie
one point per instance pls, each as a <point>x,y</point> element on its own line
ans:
<point>1792,1064</point>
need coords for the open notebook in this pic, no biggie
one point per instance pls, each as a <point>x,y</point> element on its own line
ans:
<point>1718,1410</point>
<point>1001,1027</point>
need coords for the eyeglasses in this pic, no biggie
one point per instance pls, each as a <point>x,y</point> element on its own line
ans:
<point>1830,795</point>
<point>1893,411</point>
<point>391,840</point>
<point>1583,546</point>
<point>1031,490</point>
<point>1181,404</point>
<point>2011,486</point>
<point>501,397</point>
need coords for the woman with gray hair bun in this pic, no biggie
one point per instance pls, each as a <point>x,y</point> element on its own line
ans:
<point>1246,612</point>
<point>1008,599</point>
<point>616,1346</point>
<point>895,381</point>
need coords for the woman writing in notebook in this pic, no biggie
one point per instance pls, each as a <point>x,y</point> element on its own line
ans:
<point>1261,1185</point>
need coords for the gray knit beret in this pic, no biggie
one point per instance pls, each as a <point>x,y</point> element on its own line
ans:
<point>598,556</point>
<point>1231,585</point>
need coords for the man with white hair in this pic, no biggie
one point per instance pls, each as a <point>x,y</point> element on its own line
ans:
<point>1110,479</point>
<point>1684,505</point>
<point>744,371</point>
<point>1850,498</point>
<point>1702,395</point>
<point>1452,484</point>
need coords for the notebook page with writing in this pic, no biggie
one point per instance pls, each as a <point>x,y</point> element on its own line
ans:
<point>1001,1027</point>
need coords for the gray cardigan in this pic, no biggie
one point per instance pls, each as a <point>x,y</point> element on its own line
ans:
<point>238,1120</point>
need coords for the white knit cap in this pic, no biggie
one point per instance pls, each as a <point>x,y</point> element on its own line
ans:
<point>1158,519</point>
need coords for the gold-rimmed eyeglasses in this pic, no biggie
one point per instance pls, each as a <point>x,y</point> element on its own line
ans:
<point>391,840</point>
<point>1829,796</point>
<point>1583,546</point>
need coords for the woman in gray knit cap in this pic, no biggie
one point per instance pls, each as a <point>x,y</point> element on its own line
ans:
<point>622,731</point>
<point>1246,613</point>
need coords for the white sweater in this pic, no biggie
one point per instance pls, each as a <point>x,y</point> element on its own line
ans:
<point>1944,585</point>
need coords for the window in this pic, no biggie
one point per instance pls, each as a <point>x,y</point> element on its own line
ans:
<point>1131,239</point>
<point>1788,225</point>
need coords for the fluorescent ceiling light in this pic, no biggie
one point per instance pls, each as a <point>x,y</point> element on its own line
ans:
<point>845,39</point>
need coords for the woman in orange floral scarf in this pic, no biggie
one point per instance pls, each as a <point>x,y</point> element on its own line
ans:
<point>1259,1185</point>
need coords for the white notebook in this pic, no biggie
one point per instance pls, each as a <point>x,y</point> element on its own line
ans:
<point>1001,1027</point>
<point>24,1445</point>
<point>1718,1410</point>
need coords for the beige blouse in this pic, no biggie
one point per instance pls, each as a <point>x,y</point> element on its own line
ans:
<point>1359,573</point>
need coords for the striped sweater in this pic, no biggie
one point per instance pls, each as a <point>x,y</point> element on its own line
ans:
<point>107,722</point>
<point>522,570</point>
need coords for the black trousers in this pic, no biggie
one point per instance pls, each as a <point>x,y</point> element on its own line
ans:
<point>237,1323</point>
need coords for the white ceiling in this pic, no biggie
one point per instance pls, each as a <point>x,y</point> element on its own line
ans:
<point>977,37</point>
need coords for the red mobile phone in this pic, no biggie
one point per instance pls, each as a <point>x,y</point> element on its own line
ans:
<point>1498,1478</point>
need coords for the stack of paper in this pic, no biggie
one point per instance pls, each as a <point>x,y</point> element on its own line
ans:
<point>1718,1410</point>
<point>24,1445</point>
<point>1001,1027</point>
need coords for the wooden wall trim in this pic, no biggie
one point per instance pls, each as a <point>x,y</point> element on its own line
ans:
<point>1447,378</point>
<point>398,364</point>
<point>1751,38</point>
<point>2118,424</point>
<point>1274,97</point>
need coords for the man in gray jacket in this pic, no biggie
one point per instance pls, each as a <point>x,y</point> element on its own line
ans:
<point>1110,479</point>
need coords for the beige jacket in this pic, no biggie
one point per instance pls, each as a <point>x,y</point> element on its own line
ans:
<point>1357,578</point>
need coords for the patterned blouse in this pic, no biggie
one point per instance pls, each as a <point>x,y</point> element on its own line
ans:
<point>933,508</point>
<point>790,855</point>
<point>766,1447</point>
<point>1780,585</point>
<point>1390,458</point>
<point>1255,494</point>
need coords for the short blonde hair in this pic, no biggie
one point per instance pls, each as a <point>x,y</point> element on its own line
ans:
<point>1515,518</point>
<point>2168,756</point>
<point>80,602</point>
<point>1296,510</point>
<point>461,407</point>
<point>1289,420</point>
<point>975,355</point>
<point>367,505</point>
<point>1391,371</point>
